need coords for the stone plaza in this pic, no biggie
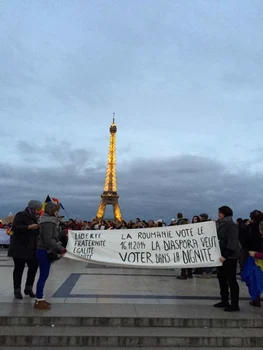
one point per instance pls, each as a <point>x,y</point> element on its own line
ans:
<point>99,307</point>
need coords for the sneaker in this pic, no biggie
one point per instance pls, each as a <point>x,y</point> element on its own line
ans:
<point>221,305</point>
<point>255,303</point>
<point>231,308</point>
<point>182,277</point>
<point>18,294</point>
<point>30,293</point>
<point>41,305</point>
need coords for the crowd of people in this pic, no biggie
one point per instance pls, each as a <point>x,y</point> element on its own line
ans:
<point>37,241</point>
<point>101,224</point>
<point>5,226</point>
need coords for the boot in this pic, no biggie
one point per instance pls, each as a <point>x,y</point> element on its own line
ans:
<point>28,291</point>
<point>256,302</point>
<point>222,305</point>
<point>182,277</point>
<point>41,305</point>
<point>232,308</point>
<point>18,294</point>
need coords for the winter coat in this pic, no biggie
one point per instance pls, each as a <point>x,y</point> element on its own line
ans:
<point>227,232</point>
<point>48,234</point>
<point>23,242</point>
<point>254,240</point>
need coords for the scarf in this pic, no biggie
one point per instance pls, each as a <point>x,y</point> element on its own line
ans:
<point>221,222</point>
<point>47,218</point>
<point>33,212</point>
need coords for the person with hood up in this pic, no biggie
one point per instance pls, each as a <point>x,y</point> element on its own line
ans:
<point>23,245</point>
<point>48,246</point>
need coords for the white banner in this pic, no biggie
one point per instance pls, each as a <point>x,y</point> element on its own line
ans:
<point>4,238</point>
<point>185,246</point>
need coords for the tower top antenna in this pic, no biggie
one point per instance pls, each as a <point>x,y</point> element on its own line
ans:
<point>113,119</point>
<point>110,196</point>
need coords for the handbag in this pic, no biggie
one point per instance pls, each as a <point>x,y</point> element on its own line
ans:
<point>53,256</point>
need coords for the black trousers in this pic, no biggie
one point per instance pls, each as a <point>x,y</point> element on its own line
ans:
<point>226,275</point>
<point>243,258</point>
<point>19,269</point>
<point>186,272</point>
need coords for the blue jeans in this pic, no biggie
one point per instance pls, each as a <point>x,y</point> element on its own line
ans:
<point>208,269</point>
<point>44,268</point>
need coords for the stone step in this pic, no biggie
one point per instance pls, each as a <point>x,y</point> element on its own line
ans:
<point>104,321</point>
<point>129,315</point>
<point>130,337</point>
<point>120,348</point>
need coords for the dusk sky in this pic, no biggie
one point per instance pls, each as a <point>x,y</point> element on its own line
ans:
<point>184,79</point>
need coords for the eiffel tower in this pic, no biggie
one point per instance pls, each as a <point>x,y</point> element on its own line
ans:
<point>110,195</point>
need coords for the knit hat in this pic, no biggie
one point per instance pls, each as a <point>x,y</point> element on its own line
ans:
<point>226,211</point>
<point>204,215</point>
<point>51,207</point>
<point>34,204</point>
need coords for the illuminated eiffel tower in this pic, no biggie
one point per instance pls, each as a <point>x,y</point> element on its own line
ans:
<point>110,195</point>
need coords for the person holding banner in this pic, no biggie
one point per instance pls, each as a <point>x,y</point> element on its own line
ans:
<point>23,245</point>
<point>48,250</point>
<point>227,232</point>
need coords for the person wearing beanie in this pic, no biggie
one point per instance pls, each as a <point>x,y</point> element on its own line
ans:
<point>23,245</point>
<point>204,217</point>
<point>48,249</point>
<point>227,232</point>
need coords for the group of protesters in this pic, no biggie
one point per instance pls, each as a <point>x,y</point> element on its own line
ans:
<point>38,240</point>
<point>101,224</point>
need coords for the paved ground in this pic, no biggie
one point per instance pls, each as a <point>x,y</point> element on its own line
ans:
<point>76,282</point>
<point>138,306</point>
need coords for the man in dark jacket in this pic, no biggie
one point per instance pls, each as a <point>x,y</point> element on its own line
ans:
<point>227,232</point>
<point>23,245</point>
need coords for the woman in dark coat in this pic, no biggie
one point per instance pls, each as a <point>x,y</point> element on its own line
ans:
<point>23,245</point>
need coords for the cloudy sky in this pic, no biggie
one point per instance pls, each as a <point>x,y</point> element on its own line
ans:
<point>184,78</point>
